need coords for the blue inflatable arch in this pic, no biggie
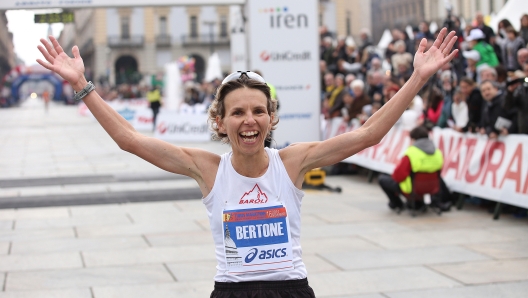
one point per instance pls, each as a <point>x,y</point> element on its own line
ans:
<point>56,82</point>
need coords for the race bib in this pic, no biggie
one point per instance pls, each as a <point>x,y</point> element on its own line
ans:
<point>257,240</point>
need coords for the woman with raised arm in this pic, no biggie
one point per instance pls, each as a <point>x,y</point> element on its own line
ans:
<point>252,194</point>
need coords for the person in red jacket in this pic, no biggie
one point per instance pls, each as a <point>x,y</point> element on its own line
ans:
<point>421,156</point>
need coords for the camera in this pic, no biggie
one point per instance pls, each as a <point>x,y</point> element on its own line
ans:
<point>510,82</point>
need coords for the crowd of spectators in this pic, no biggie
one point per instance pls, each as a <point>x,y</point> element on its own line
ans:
<point>483,90</point>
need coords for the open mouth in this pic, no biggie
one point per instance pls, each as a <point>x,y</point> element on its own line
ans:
<point>249,136</point>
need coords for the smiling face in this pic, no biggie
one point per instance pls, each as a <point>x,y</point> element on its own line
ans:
<point>246,121</point>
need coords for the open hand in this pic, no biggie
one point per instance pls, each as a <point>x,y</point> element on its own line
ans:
<point>70,69</point>
<point>428,63</point>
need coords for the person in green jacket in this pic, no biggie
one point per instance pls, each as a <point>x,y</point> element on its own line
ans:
<point>476,40</point>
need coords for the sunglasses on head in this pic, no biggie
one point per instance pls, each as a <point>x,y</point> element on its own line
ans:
<point>236,75</point>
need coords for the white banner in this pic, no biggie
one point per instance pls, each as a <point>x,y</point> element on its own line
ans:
<point>172,126</point>
<point>284,46</point>
<point>237,39</point>
<point>32,4</point>
<point>189,125</point>
<point>473,164</point>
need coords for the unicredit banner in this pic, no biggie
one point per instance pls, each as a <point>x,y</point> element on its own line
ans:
<point>473,164</point>
<point>284,46</point>
<point>172,126</point>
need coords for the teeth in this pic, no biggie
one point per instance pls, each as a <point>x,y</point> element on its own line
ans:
<point>250,140</point>
<point>249,133</point>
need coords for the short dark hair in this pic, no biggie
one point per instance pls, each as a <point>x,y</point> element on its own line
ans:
<point>419,132</point>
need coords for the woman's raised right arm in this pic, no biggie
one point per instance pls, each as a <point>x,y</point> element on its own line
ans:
<point>186,161</point>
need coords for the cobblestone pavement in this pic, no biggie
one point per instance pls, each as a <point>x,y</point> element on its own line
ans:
<point>116,226</point>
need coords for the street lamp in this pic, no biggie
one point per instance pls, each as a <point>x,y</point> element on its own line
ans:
<point>211,24</point>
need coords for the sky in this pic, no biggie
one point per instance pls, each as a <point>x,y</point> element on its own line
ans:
<point>26,34</point>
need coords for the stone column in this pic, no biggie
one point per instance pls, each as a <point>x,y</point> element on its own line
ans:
<point>100,44</point>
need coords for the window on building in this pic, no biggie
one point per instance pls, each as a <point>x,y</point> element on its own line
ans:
<point>492,6</point>
<point>193,26</point>
<point>163,26</point>
<point>125,27</point>
<point>478,5</point>
<point>223,26</point>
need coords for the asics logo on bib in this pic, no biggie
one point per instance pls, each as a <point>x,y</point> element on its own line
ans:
<point>251,255</point>
<point>265,254</point>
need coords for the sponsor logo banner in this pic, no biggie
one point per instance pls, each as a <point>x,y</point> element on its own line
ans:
<point>172,126</point>
<point>289,62</point>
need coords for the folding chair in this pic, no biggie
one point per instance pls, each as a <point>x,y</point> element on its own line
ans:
<point>423,184</point>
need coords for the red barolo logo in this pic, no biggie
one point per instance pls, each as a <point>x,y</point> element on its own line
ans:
<point>254,196</point>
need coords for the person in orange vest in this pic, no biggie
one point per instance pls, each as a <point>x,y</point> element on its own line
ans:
<point>421,156</point>
<point>46,98</point>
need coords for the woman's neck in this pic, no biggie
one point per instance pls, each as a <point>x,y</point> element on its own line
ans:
<point>252,166</point>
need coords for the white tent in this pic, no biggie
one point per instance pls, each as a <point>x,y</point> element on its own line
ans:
<point>512,10</point>
<point>433,27</point>
<point>409,31</point>
<point>386,38</point>
<point>173,87</point>
<point>214,70</point>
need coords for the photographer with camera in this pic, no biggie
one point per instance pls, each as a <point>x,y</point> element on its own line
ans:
<point>517,98</point>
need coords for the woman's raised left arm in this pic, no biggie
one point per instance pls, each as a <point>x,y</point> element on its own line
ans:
<point>300,158</point>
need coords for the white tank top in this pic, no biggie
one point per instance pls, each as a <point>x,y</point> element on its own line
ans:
<point>270,192</point>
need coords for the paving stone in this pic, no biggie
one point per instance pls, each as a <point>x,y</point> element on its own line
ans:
<point>87,277</point>
<point>361,296</point>
<point>139,229</point>
<point>454,220</point>
<point>486,271</point>
<point>98,210</point>
<point>520,231</point>
<point>401,257</point>
<point>13,263</point>
<point>316,264</point>
<point>335,244</point>
<point>78,221</point>
<point>77,245</point>
<point>4,248</point>
<point>14,235</point>
<point>193,271</point>
<point>6,225</point>
<point>510,290</point>
<point>192,289</point>
<point>34,213</point>
<point>434,238</point>
<point>502,250</point>
<point>150,255</point>
<point>63,293</point>
<point>351,215</point>
<point>178,239</point>
<point>377,280</point>
<point>352,229</point>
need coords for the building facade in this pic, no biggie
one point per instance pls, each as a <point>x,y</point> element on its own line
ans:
<point>345,17</point>
<point>400,13</point>
<point>126,44</point>
<point>7,53</point>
